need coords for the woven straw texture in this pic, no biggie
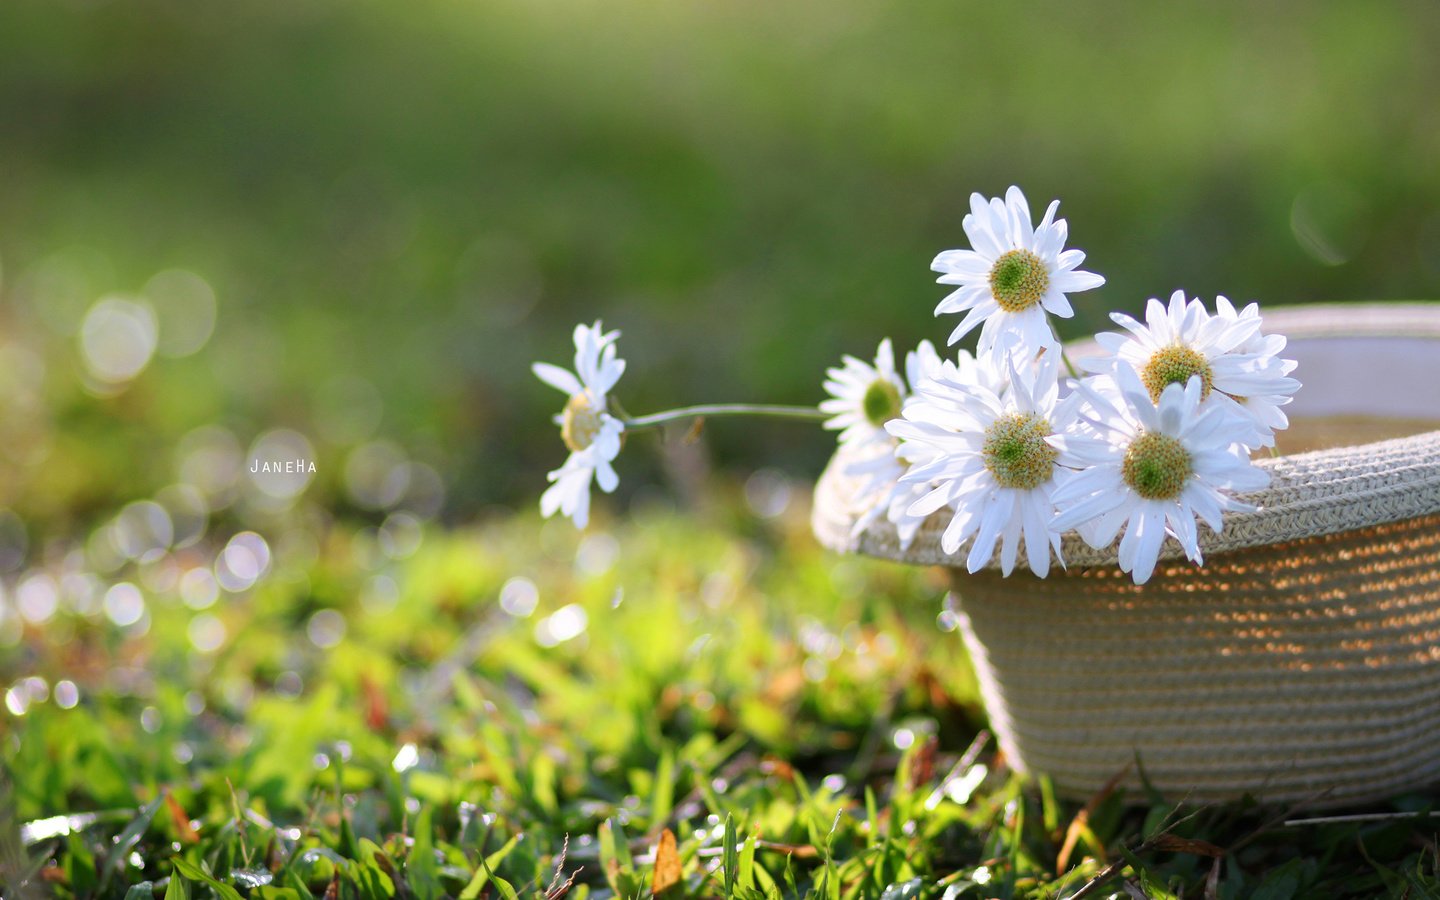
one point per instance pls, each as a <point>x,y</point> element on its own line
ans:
<point>1301,663</point>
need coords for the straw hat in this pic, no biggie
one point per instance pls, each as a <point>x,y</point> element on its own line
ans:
<point>1301,663</point>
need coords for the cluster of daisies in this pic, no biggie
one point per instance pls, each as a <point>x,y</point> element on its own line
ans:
<point>1155,437</point>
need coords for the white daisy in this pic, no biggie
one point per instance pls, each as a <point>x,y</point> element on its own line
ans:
<point>1014,274</point>
<point>883,493</point>
<point>1151,469</point>
<point>1239,368</point>
<point>863,398</point>
<point>990,461</point>
<point>1264,408</point>
<point>586,426</point>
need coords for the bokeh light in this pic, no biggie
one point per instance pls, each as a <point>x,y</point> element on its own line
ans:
<point>207,633</point>
<point>244,561</point>
<point>198,588</point>
<point>67,695</point>
<point>117,339</point>
<point>188,511</point>
<point>377,475</point>
<point>143,530</point>
<point>210,459</point>
<point>37,598</point>
<point>564,624</point>
<point>281,463</point>
<point>326,628</point>
<point>519,597</point>
<point>184,306</point>
<point>124,604</point>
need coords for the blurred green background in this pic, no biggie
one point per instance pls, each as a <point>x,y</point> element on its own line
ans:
<point>392,209</point>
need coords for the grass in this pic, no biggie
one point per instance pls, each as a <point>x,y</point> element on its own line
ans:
<point>680,706</point>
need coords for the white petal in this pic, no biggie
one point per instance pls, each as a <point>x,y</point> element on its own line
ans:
<point>992,522</point>
<point>1037,533</point>
<point>557,378</point>
<point>1202,501</point>
<point>1076,281</point>
<point>1151,524</point>
<point>885,358</point>
<point>580,508</point>
<point>1069,259</point>
<point>975,316</point>
<point>606,477</point>
<point>607,442</point>
<point>966,263</point>
<point>929,503</point>
<point>1182,526</point>
<point>1076,515</point>
<point>961,526</point>
<point>1050,236</point>
<point>1083,450</point>
<point>1101,531</point>
<point>1010,543</point>
<point>610,372</point>
<point>1158,320</point>
<point>550,500</point>
<point>1021,230</point>
<point>978,228</point>
<point>964,298</point>
<point>1054,301</point>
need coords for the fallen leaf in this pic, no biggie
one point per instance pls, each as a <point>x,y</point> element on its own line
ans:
<point>667,866</point>
<point>186,832</point>
<point>1175,844</point>
<point>377,710</point>
<point>1080,825</point>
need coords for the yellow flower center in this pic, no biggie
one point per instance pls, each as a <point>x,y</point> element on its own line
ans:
<point>1156,466</point>
<point>1016,453</point>
<point>1018,280</point>
<point>881,402</point>
<point>1176,364</point>
<point>579,423</point>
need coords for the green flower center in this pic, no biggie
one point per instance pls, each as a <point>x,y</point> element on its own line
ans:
<point>1018,280</point>
<point>579,423</point>
<point>1016,453</point>
<point>1175,365</point>
<point>1156,466</point>
<point>881,402</point>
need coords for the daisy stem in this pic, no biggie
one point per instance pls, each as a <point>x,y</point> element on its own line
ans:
<point>724,409</point>
<point>1065,357</point>
<point>1074,373</point>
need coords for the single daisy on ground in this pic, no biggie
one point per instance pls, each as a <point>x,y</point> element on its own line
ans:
<point>1151,469</point>
<point>1238,367</point>
<point>863,397</point>
<point>1013,275</point>
<point>586,426</point>
<point>990,460</point>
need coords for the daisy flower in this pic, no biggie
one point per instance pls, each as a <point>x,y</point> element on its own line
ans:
<point>586,426</point>
<point>990,460</point>
<point>1239,368</point>
<point>1264,408</point>
<point>1014,274</point>
<point>1150,468</point>
<point>883,493</point>
<point>863,397</point>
